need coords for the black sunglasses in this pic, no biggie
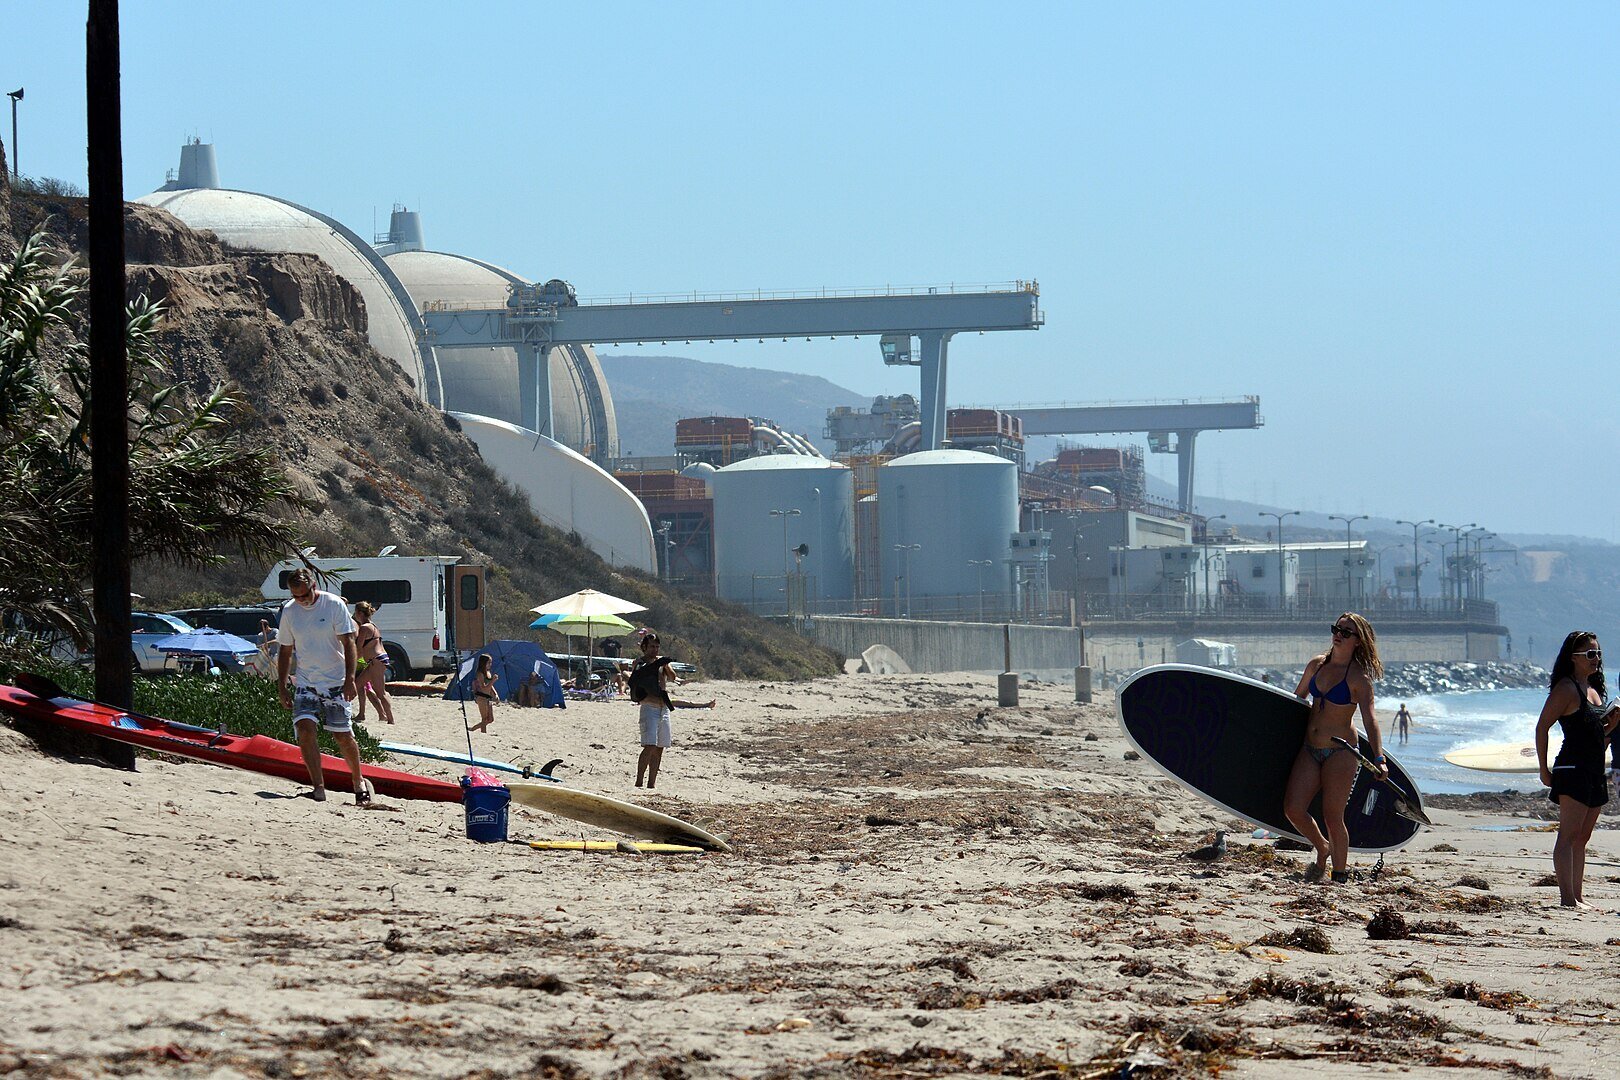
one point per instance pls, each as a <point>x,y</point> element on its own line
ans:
<point>1338,631</point>
<point>1590,654</point>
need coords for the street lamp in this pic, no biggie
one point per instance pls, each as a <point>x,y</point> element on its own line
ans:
<point>905,551</point>
<point>1417,574</point>
<point>664,525</point>
<point>15,96</point>
<point>979,565</point>
<point>1348,521</point>
<point>784,515</point>
<point>1282,599</point>
<point>1471,563</point>
<point>1454,565</point>
<point>1217,517</point>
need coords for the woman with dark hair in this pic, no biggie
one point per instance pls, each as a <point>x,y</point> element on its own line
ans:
<point>1346,670</point>
<point>483,691</point>
<point>1576,781</point>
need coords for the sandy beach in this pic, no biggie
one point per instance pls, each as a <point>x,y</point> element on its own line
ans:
<point>922,885</point>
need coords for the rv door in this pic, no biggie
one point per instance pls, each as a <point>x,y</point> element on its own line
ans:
<point>467,599</point>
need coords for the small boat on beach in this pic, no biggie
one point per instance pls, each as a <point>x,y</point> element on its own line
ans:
<point>44,701</point>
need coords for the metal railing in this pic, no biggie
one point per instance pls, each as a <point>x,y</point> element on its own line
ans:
<point>698,296</point>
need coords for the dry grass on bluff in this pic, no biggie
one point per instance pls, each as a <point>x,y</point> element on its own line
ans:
<point>375,464</point>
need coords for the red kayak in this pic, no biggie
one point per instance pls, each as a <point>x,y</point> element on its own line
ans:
<point>258,753</point>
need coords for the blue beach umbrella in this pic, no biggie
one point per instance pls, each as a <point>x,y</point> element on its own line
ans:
<point>206,641</point>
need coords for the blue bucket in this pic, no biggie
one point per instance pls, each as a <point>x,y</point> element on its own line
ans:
<point>486,812</point>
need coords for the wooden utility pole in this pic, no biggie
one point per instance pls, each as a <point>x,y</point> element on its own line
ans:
<point>109,368</point>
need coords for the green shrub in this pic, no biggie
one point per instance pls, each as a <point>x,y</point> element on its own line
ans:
<point>245,704</point>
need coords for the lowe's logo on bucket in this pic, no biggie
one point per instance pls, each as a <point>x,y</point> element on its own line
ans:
<point>486,812</point>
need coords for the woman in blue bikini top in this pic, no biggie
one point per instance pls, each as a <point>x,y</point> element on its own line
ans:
<point>1348,668</point>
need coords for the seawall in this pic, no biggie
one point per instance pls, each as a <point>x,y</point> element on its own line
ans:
<point>1125,646</point>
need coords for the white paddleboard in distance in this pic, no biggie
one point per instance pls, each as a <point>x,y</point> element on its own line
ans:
<point>613,815</point>
<point>1501,757</point>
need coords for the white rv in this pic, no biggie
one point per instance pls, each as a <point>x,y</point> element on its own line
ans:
<point>427,605</point>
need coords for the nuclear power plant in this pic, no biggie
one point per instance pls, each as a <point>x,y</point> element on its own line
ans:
<point>922,512</point>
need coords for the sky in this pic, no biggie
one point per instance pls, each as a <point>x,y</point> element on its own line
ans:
<point>1396,224</point>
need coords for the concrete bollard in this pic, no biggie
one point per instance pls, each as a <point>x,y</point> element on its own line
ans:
<point>1082,684</point>
<point>1007,688</point>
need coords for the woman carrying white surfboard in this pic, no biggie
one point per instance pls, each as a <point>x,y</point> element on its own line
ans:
<point>1337,684</point>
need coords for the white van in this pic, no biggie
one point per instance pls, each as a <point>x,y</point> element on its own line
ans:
<point>415,596</point>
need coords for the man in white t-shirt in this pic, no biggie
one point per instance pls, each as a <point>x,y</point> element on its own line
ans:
<point>317,628</point>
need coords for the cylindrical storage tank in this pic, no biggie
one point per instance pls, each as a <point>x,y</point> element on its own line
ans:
<point>753,559</point>
<point>957,506</point>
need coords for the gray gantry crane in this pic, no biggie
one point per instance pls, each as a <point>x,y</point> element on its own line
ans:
<point>538,317</point>
<point>1172,426</point>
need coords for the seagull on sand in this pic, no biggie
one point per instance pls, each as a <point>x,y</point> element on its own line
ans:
<point>1210,852</point>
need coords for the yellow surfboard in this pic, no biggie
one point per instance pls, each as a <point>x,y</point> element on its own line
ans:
<point>608,813</point>
<point>640,848</point>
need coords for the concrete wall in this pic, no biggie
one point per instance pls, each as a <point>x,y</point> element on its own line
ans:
<point>951,646</point>
<point>1114,645</point>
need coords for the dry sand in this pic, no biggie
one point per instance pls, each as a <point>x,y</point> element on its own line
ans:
<point>923,885</point>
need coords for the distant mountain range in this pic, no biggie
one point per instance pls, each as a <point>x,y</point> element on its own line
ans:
<point>1555,584</point>
<point>650,393</point>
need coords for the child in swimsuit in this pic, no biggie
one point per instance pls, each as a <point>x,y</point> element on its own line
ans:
<point>1323,765</point>
<point>1575,781</point>
<point>483,688</point>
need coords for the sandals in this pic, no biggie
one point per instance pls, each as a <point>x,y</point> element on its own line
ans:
<point>362,797</point>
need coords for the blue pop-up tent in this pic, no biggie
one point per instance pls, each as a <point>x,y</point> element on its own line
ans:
<point>514,662</point>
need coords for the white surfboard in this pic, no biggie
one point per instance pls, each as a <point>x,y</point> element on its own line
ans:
<point>1501,757</point>
<point>613,815</point>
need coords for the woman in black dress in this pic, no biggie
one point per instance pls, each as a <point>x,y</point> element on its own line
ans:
<point>1576,780</point>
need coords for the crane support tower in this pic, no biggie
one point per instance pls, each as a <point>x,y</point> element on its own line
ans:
<point>538,317</point>
<point>1172,426</point>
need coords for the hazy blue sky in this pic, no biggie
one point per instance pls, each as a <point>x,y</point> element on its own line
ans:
<point>1395,223</point>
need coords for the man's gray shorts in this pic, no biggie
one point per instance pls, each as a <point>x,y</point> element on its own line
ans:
<point>324,707</point>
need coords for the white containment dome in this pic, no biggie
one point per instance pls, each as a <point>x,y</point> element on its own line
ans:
<point>485,381</point>
<point>567,490</point>
<point>754,562</point>
<point>264,223</point>
<point>956,507</point>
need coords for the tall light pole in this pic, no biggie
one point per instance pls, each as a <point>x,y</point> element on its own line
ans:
<point>1472,563</point>
<point>1454,564</point>
<point>664,525</point>
<point>1417,573</point>
<point>979,565</point>
<point>787,573</point>
<point>905,551</point>
<point>1217,517</point>
<point>1282,599</point>
<point>15,96</point>
<point>1348,521</point>
<point>784,515</point>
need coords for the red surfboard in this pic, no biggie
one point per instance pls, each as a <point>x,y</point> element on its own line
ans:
<point>256,753</point>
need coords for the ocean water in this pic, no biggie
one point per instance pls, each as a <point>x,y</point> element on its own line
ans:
<point>1446,722</point>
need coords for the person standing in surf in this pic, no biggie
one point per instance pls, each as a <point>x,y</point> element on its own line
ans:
<point>1576,781</point>
<point>315,626</point>
<point>1338,683</point>
<point>371,669</point>
<point>1403,724</point>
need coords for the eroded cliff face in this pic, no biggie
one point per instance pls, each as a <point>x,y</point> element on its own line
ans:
<point>378,465</point>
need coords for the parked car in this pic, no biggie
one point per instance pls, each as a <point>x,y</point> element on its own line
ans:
<point>243,621</point>
<point>149,628</point>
